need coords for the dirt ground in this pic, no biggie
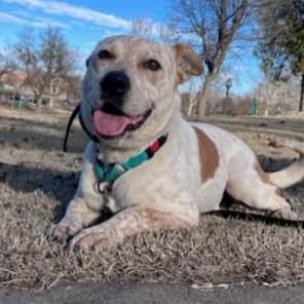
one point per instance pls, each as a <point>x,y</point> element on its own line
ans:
<point>37,180</point>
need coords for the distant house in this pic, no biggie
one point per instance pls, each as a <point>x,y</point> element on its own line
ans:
<point>15,78</point>
<point>14,85</point>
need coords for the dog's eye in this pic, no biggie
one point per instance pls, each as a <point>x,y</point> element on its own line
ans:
<point>104,54</point>
<point>152,65</point>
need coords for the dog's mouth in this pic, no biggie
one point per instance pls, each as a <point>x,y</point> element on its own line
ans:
<point>111,122</point>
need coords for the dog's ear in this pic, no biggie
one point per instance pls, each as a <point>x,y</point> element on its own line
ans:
<point>188,62</point>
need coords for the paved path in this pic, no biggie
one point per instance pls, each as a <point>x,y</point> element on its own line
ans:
<point>155,294</point>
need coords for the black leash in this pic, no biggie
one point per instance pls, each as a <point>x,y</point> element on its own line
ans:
<point>76,112</point>
<point>68,128</point>
<point>257,218</point>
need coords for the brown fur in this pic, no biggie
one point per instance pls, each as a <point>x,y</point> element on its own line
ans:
<point>159,220</point>
<point>188,63</point>
<point>209,157</point>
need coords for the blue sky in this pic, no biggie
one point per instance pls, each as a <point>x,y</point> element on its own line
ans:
<point>84,22</point>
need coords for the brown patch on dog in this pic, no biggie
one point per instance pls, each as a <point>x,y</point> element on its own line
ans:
<point>188,62</point>
<point>208,154</point>
<point>157,220</point>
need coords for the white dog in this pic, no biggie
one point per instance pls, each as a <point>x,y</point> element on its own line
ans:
<point>161,170</point>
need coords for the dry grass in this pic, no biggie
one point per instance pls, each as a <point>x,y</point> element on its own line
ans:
<point>35,183</point>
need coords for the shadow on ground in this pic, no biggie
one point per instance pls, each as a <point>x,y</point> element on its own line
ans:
<point>24,134</point>
<point>60,185</point>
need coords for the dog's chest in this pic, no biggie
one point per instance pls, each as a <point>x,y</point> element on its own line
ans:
<point>157,182</point>
<point>141,185</point>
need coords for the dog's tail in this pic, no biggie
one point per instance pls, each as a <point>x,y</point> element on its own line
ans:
<point>295,172</point>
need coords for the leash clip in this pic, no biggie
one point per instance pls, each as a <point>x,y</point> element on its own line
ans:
<point>103,187</point>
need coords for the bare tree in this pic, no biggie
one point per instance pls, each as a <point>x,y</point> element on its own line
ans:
<point>191,97</point>
<point>275,95</point>
<point>47,61</point>
<point>142,27</point>
<point>147,28</point>
<point>211,26</point>
<point>7,63</point>
<point>282,27</point>
<point>73,87</point>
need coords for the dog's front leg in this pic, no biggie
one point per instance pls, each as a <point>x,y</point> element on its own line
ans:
<point>125,223</point>
<point>87,204</point>
<point>77,217</point>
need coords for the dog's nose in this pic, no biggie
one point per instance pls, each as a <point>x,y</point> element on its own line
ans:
<point>115,84</point>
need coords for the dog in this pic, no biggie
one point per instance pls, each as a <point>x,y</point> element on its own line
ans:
<point>151,167</point>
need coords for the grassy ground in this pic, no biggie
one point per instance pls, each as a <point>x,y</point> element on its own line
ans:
<point>37,180</point>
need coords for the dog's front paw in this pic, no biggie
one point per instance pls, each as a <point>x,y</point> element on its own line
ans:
<point>60,232</point>
<point>90,240</point>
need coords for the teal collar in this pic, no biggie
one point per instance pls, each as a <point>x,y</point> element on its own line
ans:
<point>107,174</point>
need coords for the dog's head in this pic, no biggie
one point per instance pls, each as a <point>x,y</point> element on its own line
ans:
<point>130,86</point>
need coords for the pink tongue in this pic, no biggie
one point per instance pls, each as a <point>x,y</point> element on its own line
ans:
<point>112,125</point>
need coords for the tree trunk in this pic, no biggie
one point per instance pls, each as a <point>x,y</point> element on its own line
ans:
<point>51,95</point>
<point>39,102</point>
<point>51,102</point>
<point>301,94</point>
<point>191,106</point>
<point>203,95</point>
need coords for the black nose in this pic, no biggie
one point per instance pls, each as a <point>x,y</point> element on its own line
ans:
<point>115,84</point>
